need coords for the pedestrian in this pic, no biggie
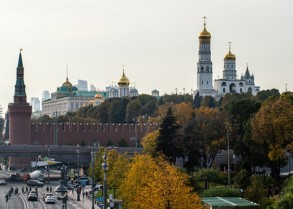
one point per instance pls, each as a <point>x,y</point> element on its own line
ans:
<point>26,189</point>
<point>50,189</point>
<point>47,189</point>
<point>22,190</point>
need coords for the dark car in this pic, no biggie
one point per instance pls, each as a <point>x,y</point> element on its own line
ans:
<point>34,183</point>
<point>32,196</point>
<point>3,182</point>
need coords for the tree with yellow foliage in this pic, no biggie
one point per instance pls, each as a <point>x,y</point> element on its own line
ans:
<point>273,129</point>
<point>149,142</point>
<point>155,184</point>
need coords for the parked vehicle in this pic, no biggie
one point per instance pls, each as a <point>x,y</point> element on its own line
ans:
<point>34,183</point>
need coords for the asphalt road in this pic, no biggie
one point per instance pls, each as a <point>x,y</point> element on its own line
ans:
<point>19,201</point>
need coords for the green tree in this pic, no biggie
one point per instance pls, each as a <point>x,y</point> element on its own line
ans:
<point>133,110</point>
<point>168,136</point>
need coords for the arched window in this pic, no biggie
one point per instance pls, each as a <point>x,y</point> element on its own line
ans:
<point>224,84</point>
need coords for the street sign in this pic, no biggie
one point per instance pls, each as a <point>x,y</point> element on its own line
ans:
<point>100,199</point>
<point>45,159</point>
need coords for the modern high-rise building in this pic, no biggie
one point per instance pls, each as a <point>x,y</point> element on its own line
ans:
<point>92,87</point>
<point>46,95</point>
<point>82,85</point>
<point>229,83</point>
<point>36,104</point>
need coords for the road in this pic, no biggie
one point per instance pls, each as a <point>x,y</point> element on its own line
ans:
<point>19,201</point>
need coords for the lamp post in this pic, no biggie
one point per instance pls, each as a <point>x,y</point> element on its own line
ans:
<point>55,115</point>
<point>105,168</point>
<point>48,168</point>
<point>136,132</point>
<point>93,153</point>
<point>62,189</point>
<point>228,153</point>
<point>78,193</point>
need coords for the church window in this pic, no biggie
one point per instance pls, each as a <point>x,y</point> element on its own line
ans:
<point>201,69</point>
<point>224,84</point>
<point>201,82</point>
<point>240,90</point>
<point>207,82</point>
<point>207,69</point>
<point>224,90</point>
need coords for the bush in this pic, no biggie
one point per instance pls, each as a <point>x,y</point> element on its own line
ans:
<point>222,191</point>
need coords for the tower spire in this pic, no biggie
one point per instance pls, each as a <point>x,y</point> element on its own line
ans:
<point>19,93</point>
<point>204,21</point>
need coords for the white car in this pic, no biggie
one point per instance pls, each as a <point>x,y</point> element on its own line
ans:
<point>49,198</point>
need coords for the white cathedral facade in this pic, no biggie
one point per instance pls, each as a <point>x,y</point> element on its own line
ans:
<point>229,83</point>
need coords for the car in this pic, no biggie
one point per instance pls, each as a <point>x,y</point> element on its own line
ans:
<point>34,183</point>
<point>49,198</point>
<point>32,196</point>
<point>3,182</point>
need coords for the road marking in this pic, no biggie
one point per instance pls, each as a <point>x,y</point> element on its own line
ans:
<point>43,203</point>
<point>25,203</point>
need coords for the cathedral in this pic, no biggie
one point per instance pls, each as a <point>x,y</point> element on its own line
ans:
<point>229,83</point>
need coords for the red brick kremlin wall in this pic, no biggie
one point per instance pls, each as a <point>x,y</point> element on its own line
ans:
<point>73,133</point>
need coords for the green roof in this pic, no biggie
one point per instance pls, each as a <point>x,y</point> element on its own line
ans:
<point>229,203</point>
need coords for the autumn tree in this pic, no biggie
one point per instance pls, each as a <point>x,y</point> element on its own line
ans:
<point>149,142</point>
<point>273,129</point>
<point>155,184</point>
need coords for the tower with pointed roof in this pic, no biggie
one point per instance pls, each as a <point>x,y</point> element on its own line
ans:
<point>204,64</point>
<point>19,114</point>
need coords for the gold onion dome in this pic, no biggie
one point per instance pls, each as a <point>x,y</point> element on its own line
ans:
<point>124,81</point>
<point>204,34</point>
<point>98,96</point>
<point>67,83</point>
<point>229,55</point>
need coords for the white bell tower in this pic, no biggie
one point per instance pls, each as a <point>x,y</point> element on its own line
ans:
<point>204,64</point>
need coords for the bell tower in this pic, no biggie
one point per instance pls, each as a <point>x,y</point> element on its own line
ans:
<point>19,116</point>
<point>204,64</point>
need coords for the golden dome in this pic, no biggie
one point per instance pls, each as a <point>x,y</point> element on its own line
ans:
<point>204,34</point>
<point>67,83</point>
<point>229,55</point>
<point>98,96</point>
<point>124,81</point>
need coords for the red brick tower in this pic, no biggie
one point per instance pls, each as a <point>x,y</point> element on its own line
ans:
<point>19,117</point>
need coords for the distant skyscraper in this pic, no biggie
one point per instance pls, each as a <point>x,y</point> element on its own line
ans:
<point>82,85</point>
<point>36,104</point>
<point>46,95</point>
<point>92,87</point>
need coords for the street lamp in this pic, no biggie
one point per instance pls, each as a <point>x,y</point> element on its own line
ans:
<point>105,168</point>
<point>55,115</point>
<point>93,153</point>
<point>228,153</point>
<point>78,193</point>
<point>62,189</point>
<point>48,168</point>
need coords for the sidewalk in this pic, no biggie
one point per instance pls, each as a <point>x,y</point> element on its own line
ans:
<point>84,203</point>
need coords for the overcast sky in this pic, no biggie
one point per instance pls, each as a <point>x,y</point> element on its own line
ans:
<point>156,40</point>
